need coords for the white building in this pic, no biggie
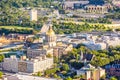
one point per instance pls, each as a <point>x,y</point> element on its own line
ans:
<point>33,15</point>
<point>116,2</point>
<point>32,53</point>
<point>112,40</point>
<point>96,9</point>
<point>115,41</point>
<point>91,73</point>
<point>71,4</point>
<point>39,64</point>
<point>25,65</point>
<point>56,14</point>
<point>10,64</point>
<point>95,46</point>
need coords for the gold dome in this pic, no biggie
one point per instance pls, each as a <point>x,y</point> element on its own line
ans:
<point>50,31</point>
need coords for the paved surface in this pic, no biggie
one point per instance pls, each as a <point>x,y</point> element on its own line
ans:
<point>26,77</point>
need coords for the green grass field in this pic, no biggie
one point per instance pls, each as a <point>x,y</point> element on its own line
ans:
<point>15,27</point>
<point>113,26</point>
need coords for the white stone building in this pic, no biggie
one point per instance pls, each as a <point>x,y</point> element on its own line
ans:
<point>96,9</point>
<point>33,15</point>
<point>10,64</point>
<point>91,73</point>
<point>73,4</point>
<point>32,53</point>
<point>25,65</point>
<point>95,46</point>
<point>114,41</point>
<point>116,2</point>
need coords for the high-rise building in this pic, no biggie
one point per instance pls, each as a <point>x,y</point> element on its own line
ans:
<point>33,15</point>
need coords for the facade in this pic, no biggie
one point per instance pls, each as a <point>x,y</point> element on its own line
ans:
<point>56,14</point>
<point>17,36</point>
<point>74,4</point>
<point>96,9</point>
<point>33,65</point>
<point>116,3</point>
<point>22,66</point>
<point>32,53</point>
<point>113,69</point>
<point>8,64</point>
<point>91,73</point>
<point>4,40</point>
<point>62,49</point>
<point>113,42</point>
<point>95,46</point>
<point>33,15</point>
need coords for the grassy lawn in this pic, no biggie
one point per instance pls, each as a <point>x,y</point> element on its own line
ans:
<point>113,26</point>
<point>15,27</point>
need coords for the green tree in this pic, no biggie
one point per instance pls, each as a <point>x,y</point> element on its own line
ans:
<point>1,74</point>
<point>51,71</point>
<point>65,67</point>
<point>56,60</point>
<point>103,77</point>
<point>39,74</point>
<point>29,41</point>
<point>68,78</point>
<point>113,78</point>
<point>56,76</point>
<point>49,55</point>
<point>1,57</point>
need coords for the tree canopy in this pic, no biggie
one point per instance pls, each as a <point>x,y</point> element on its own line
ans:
<point>1,57</point>
<point>113,78</point>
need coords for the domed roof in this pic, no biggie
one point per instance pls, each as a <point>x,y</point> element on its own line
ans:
<point>50,31</point>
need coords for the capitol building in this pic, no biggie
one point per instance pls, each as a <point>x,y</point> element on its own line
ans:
<point>36,58</point>
<point>49,46</point>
